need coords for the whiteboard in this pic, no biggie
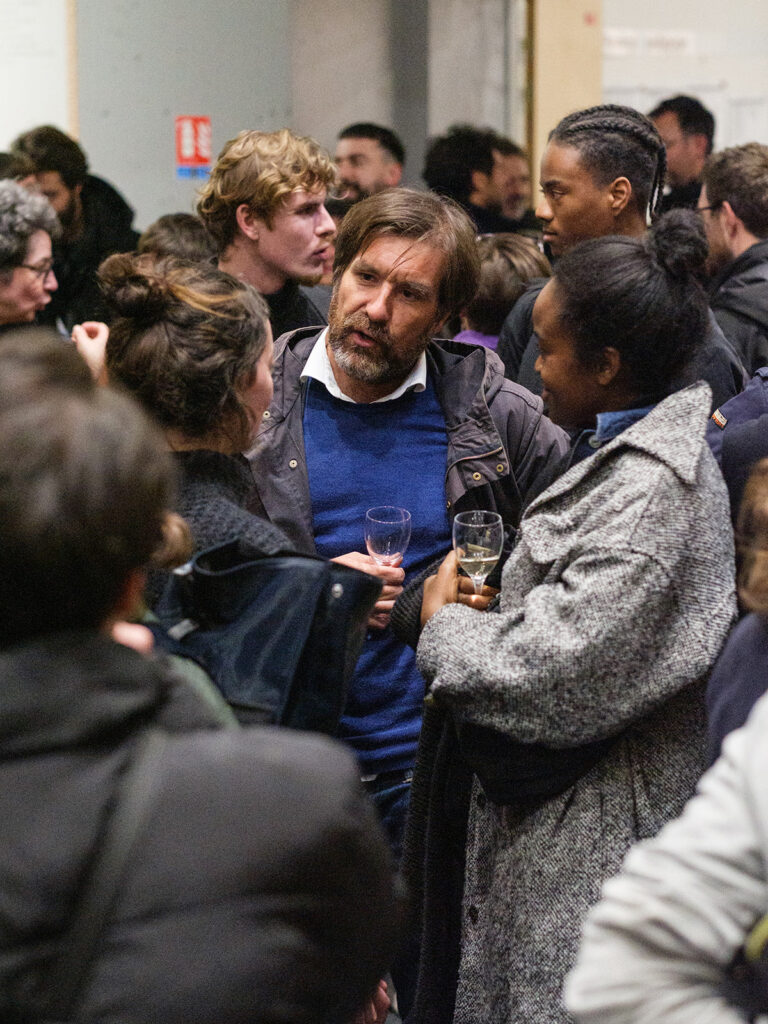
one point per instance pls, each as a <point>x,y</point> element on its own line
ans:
<point>38,66</point>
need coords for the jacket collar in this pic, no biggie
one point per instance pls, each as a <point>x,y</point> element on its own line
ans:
<point>672,432</point>
<point>465,377</point>
<point>755,256</point>
<point>71,688</point>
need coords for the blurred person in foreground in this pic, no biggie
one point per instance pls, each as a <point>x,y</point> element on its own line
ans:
<point>241,898</point>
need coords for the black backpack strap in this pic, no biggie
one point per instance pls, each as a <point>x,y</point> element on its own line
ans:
<point>133,801</point>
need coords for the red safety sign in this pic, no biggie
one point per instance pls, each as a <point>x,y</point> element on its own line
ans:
<point>193,146</point>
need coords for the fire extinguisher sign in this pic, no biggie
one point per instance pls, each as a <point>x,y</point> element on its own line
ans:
<point>193,147</point>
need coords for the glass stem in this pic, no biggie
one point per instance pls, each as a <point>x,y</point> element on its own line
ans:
<point>477,583</point>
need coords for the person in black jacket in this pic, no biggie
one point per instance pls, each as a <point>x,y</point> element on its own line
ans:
<point>264,206</point>
<point>602,174</point>
<point>687,130</point>
<point>241,898</point>
<point>480,170</point>
<point>95,220</point>
<point>734,208</point>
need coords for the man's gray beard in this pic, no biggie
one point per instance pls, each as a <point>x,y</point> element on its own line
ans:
<point>367,367</point>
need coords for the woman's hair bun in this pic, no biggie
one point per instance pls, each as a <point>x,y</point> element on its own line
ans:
<point>680,243</point>
<point>133,287</point>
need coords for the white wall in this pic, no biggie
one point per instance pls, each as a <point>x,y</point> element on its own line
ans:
<point>143,62</point>
<point>467,63</point>
<point>713,50</point>
<point>340,66</point>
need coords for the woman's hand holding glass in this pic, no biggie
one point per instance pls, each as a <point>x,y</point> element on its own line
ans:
<point>450,587</point>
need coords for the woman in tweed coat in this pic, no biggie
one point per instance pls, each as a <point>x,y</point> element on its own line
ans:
<point>578,709</point>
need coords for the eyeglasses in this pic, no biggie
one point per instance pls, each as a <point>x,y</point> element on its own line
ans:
<point>40,270</point>
<point>715,206</point>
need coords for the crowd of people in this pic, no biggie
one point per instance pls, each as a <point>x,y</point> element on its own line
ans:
<point>318,339</point>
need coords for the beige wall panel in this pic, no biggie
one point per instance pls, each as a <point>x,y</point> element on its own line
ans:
<point>567,63</point>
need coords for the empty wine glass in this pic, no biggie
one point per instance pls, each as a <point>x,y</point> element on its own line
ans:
<point>387,532</point>
<point>478,538</point>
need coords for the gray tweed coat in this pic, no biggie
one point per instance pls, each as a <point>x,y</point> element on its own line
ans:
<point>614,606</point>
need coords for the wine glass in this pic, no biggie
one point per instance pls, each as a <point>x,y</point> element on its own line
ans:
<point>478,538</point>
<point>387,532</point>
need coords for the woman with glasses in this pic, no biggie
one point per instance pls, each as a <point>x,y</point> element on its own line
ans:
<point>27,225</point>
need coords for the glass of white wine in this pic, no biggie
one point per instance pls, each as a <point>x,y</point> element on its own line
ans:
<point>387,533</point>
<point>478,538</point>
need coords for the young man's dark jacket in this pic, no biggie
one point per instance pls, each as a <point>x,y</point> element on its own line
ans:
<point>107,220</point>
<point>739,300</point>
<point>292,307</point>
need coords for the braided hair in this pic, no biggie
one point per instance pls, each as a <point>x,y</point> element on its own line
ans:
<point>614,142</point>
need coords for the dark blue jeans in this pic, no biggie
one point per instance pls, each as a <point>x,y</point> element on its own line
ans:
<point>390,797</point>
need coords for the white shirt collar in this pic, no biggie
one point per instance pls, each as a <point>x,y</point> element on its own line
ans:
<point>319,368</point>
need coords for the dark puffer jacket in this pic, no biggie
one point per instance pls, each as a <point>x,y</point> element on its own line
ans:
<point>739,300</point>
<point>260,889</point>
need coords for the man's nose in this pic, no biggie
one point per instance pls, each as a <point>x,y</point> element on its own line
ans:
<point>543,211</point>
<point>377,306</point>
<point>326,225</point>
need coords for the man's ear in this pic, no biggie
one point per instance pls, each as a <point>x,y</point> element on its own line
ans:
<point>610,365</point>
<point>620,192</point>
<point>479,182</point>
<point>439,324</point>
<point>728,218</point>
<point>248,222</point>
<point>393,172</point>
<point>701,145</point>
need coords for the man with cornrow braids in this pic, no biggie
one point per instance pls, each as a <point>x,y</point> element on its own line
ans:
<point>602,173</point>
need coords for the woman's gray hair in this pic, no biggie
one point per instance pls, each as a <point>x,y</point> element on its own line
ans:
<point>22,213</point>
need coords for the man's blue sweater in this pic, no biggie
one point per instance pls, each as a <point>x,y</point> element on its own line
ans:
<point>358,456</point>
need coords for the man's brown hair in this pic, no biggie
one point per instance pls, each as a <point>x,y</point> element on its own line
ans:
<point>739,175</point>
<point>507,263</point>
<point>260,169</point>
<point>423,217</point>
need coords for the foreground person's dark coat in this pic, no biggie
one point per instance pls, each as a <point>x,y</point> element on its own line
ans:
<point>260,889</point>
